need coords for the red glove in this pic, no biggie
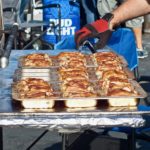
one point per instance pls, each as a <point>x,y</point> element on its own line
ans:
<point>98,29</point>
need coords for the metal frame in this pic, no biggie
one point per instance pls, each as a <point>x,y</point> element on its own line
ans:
<point>131,138</point>
<point>1,138</point>
<point>13,114</point>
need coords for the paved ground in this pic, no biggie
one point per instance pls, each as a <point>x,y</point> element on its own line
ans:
<point>20,138</point>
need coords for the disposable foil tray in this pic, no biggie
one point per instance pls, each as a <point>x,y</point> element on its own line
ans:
<point>37,103</point>
<point>45,74</point>
<point>52,74</point>
<point>55,62</point>
<point>60,97</point>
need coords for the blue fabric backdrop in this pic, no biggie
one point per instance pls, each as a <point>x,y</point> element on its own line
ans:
<point>123,42</point>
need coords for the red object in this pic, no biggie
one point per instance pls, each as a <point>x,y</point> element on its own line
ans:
<point>98,29</point>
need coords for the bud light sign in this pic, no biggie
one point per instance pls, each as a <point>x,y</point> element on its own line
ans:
<point>67,27</point>
<point>61,24</point>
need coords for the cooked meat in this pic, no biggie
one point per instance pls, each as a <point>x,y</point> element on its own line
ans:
<point>114,73</point>
<point>107,66</point>
<point>107,58</point>
<point>106,54</point>
<point>37,63</point>
<point>37,60</point>
<point>79,94</point>
<point>121,92</point>
<point>73,74</point>
<point>37,56</point>
<point>117,84</point>
<point>70,55</point>
<point>72,64</point>
<point>81,84</point>
<point>34,88</point>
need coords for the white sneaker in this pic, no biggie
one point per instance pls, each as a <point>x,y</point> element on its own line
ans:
<point>142,53</point>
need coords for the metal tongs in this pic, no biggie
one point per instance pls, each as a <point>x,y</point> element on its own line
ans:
<point>89,45</point>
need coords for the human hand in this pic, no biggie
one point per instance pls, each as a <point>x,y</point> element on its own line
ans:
<point>98,29</point>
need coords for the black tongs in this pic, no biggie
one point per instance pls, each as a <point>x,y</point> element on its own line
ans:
<point>89,45</point>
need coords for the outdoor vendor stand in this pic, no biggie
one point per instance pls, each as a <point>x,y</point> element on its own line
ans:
<point>59,119</point>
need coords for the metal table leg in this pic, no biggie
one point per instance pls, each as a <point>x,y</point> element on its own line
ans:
<point>133,139</point>
<point>34,142</point>
<point>1,138</point>
<point>64,141</point>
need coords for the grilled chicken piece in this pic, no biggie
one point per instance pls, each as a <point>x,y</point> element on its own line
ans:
<point>121,92</point>
<point>73,64</point>
<point>37,63</point>
<point>34,88</point>
<point>107,67</point>
<point>106,57</point>
<point>70,55</point>
<point>73,74</point>
<point>79,94</point>
<point>106,54</point>
<point>81,84</point>
<point>114,84</point>
<point>114,73</point>
<point>37,56</point>
<point>37,60</point>
<point>76,86</point>
<point>119,83</point>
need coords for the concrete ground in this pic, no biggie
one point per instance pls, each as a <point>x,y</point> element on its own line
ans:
<point>21,138</point>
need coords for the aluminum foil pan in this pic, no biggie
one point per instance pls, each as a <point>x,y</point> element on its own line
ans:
<point>56,87</point>
<point>72,122</point>
<point>52,74</point>
<point>45,74</point>
<point>62,120</point>
<point>55,62</point>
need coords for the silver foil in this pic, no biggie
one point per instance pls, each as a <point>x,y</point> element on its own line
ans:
<point>62,121</point>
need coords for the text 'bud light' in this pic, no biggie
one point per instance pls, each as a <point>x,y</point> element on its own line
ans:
<point>69,21</point>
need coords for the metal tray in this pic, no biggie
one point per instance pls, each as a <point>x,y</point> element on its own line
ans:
<point>52,74</point>
<point>36,103</point>
<point>55,62</point>
<point>45,74</point>
<point>56,87</point>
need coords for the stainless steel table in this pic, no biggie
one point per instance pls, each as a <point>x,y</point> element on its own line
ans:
<point>60,119</point>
